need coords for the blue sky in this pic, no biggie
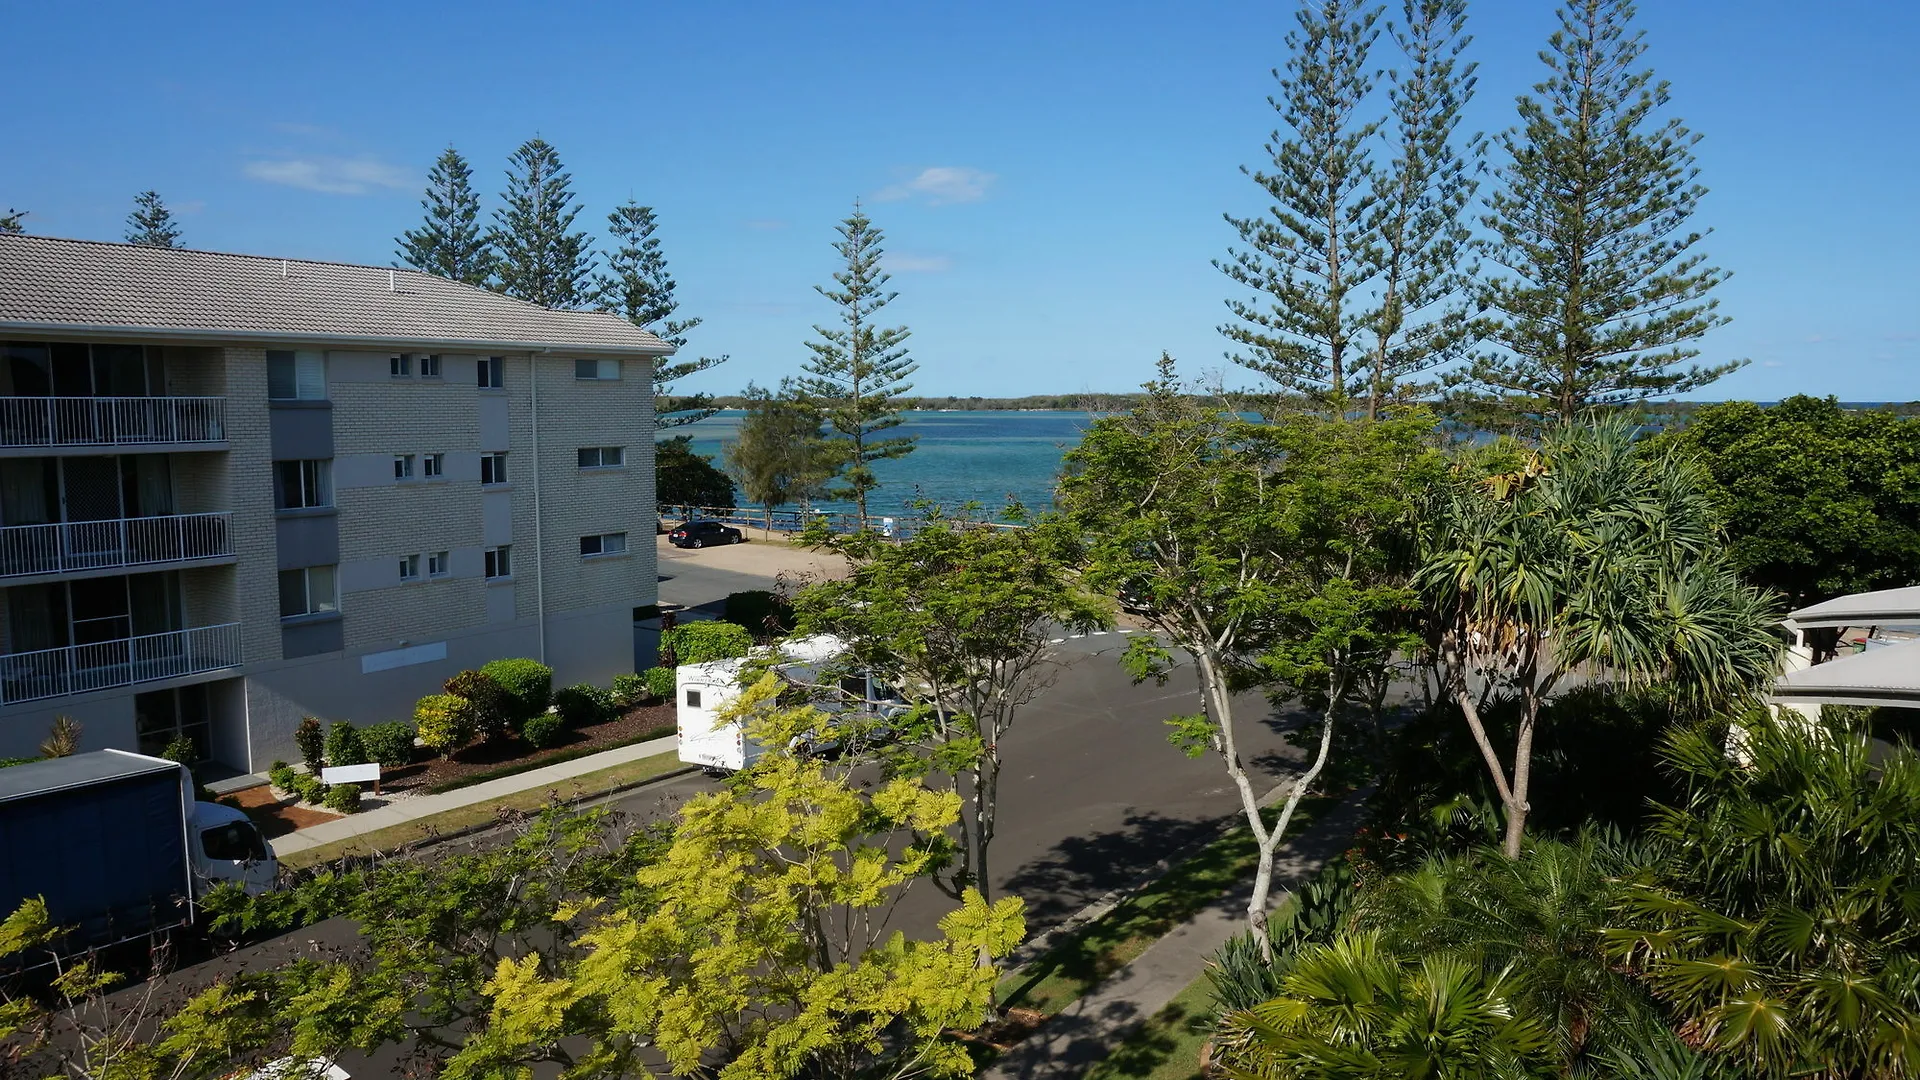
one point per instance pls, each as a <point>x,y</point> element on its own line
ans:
<point>1051,177</point>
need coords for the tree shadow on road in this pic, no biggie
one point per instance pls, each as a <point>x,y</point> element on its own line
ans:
<point>1081,869</point>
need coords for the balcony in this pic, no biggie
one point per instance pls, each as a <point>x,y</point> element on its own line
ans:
<point>84,423</point>
<point>77,669</point>
<point>73,547</point>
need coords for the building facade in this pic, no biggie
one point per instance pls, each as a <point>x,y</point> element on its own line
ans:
<point>236,492</point>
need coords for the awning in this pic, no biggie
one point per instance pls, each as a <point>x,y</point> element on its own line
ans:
<point>1883,675</point>
<point>1887,607</point>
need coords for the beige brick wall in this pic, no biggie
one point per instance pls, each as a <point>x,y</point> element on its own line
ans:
<point>242,378</point>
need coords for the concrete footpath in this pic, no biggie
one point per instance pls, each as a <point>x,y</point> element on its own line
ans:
<point>1088,1030</point>
<point>419,806</point>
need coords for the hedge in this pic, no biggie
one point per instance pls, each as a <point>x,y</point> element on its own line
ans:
<point>705,642</point>
<point>529,683</point>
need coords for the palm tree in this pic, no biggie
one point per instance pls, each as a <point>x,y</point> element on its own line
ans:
<point>1780,925</point>
<point>1593,556</point>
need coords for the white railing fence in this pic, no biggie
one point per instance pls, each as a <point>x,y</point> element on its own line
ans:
<point>111,421</point>
<point>77,669</point>
<point>64,547</point>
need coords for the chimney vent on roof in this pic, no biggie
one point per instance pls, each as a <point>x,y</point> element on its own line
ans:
<point>390,281</point>
<point>283,268</point>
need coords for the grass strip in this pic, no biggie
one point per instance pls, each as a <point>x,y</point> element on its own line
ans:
<point>1091,954</point>
<point>1167,1046</point>
<point>407,833</point>
<point>518,767</point>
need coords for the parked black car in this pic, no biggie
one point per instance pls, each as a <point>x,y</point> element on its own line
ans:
<point>693,534</point>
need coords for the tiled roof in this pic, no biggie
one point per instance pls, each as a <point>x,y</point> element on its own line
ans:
<point>53,284</point>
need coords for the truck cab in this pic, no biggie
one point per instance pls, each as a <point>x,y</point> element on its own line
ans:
<point>228,846</point>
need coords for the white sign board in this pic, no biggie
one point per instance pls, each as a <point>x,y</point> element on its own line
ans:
<point>351,774</point>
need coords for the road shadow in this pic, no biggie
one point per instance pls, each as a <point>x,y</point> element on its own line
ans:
<point>1068,1044</point>
<point>1081,869</point>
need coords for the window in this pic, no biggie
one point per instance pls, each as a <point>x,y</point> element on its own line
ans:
<point>596,369</point>
<point>403,466</point>
<point>307,592</point>
<point>409,568</point>
<point>433,466</point>
<point>604,544</point>
<point>430,366</point>
<point>499,561</point>
<point>296,376</point>
<point>236,841</point>
<point>492,372</point>
<point>400,365</point>
<point>693,699</point>
<point>437,564</point>
<point>302,485</point>
<point>493,468</point>
<point>602,457</point>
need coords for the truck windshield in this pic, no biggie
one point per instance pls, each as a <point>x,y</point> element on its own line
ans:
<point>236,841</point>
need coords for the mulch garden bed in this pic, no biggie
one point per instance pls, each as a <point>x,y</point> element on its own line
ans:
<point>421,776</point>
<point>274,817</point>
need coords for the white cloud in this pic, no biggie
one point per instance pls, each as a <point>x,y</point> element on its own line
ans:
<point>330,175</point>
<point>942,184</point>
<point>918,264</point>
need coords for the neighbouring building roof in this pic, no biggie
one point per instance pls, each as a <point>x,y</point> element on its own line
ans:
<point>1883,675</point>
<point>51,285</point>
<point>1887,607</point>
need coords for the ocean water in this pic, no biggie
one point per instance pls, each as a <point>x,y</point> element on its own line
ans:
<point>985,456</point>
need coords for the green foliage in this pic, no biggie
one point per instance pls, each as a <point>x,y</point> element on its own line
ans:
<point>581,704</point>
<point>450,242</point>
<point>1595,552</point>
<point>493,710</point>
<point>537,256</point>
<point>342,799</point>
<point>1603,296</point>
<point>764,614</point>
<point>778,455</point>
<point>705,642</point>
<point>345,745</point>
<point>544,730</point>
<point>1777,920</point>
<point>661,683</point>
<point>182,750</point>
<point>638,288</point>
<point>311,740</point>
<point>630,689</point>
<point>858,367</point>
<point>764,932</point>
<point>684,478</point>
<point>444,722</point>
<point>310,788</point>
<point>281,775</point>
<point>528,683</point>
<point>12,222</point>
<point>1819,501</point>
<point>63,737</point>
<point>151,224</point>
<point>9,762</point>
<point>390,744</point>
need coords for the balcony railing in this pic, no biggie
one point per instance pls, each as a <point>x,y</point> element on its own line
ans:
<point>111,421</point>
<point>70,546</point>
<point>77,669</point>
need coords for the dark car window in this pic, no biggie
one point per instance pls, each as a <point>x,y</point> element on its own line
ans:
<point>235,841</point>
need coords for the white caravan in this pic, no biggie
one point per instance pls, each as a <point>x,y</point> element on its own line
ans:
<point>703,691</point>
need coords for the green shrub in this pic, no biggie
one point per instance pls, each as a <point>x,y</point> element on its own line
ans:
<point>704,642</point>
<point>764,614</point>
<point>629,690</point>
<point>181,750</point>
<point>281,775</point>
<point>528,683</point>
<point>10,762</point>
<point>444,722</point>
<point>344,745</point>
<point>310,789</point>
<point>544,730</point>
<point>494,711</point>
<point>660,683</point>
<point>390,744</point>
<point>311,741</point>
<point>582,704</point>
<point>343,798</point>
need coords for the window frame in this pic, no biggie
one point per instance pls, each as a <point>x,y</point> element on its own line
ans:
<point>409,568</point>
<point>444,559</point>
<point>433,466</point>
<point>431,366</point>
<point>599,370</point>
<point>309,609</point>
<point>497,562</point>
<point>403,470</point>
<point>304,367</point>
<point>400,365</point>
<point>313,479</point>
<point>493,463</point>
<point>491,373</point>
<point>600,454</point>
<point>598,541</point>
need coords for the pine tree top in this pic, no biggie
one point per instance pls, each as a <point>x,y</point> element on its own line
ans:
<point>151,223</point>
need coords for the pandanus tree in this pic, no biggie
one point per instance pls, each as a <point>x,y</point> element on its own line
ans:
<point>1593,556</point>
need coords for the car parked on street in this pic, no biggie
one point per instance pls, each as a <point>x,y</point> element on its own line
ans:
<point>694,534</point>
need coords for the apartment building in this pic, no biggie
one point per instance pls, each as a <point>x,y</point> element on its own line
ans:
<point>239,491</point>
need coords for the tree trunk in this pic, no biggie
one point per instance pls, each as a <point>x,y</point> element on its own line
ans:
<point>1515,805</point>
<point>1263,877</point>
<point>1522,773</point>
<point>1218,702</point>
